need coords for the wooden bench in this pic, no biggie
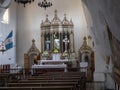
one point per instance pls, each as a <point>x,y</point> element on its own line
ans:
<point>39,88</point>
<point>38,81</point>
<point>50,81</point>
<point>62,76</point>
<point>32,78</point>
<point>43,84</point>
<point>53,78</point>
<point>62,73</point>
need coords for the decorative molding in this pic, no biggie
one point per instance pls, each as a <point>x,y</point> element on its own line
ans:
<point>33,49</point>
<point>85,47</point>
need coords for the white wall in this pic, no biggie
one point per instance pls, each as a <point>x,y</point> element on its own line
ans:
<point>98,29</point>
<point>30,17</point>
<point>9,56</point>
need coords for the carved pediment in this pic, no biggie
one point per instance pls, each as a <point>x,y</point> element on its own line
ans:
<point>56,21</point>
<point>85,47</point>
<point>33,49</point>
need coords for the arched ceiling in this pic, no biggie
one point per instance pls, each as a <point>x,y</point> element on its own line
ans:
<point>4,4</point>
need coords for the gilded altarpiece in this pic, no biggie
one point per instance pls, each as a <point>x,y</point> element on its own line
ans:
<point>57,36</point>
<point>57,40</point>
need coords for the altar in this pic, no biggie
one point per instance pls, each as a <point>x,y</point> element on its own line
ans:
<point>46,68</point>
<point>53,62</point>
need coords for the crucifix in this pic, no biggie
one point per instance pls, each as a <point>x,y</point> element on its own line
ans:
<point>66,41</point>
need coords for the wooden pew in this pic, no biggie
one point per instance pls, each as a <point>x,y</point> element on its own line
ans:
<point>58,81</point>
<point>54,77</point>
<point>80,77</point>
<point>58,74</point>
<point>53,81</point>
<point>39,88</point>
<point>43,84</point>
<point>32,78</point>
<point>62,73</point>
<point>38,81</point>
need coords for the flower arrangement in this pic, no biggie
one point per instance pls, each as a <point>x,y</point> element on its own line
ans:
<point>65,54</point>
<point>55,50</point>
<point>45,54</point>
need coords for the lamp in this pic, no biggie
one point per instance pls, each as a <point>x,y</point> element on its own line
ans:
<point>44,4</point>
<point>24,1</point>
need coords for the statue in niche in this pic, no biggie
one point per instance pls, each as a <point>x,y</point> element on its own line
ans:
<point>56,42</point>
<point>35,59</point>
<point>66,41</point>
<point>55,35</point>
<point>47,44</point>
<point>86,58</point>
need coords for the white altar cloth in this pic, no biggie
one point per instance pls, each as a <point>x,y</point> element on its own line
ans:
<point>64,66</point>
<point>56,56</point>
<point>83,67</point>
<point>52,61</point>
<point>50,66</point>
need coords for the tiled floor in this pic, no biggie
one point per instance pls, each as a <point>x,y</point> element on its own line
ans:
<point>95,86</point>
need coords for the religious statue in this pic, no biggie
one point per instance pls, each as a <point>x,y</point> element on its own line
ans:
<point>66,41</point>
<point>55,35</point>
<point>47,42</point>
<point>56,42</point>
<point>35,59</point>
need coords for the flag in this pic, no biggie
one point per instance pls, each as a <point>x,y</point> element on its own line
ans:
<point>8,41</point>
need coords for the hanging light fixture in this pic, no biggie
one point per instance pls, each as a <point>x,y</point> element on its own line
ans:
<point>24,1</point>
<point>44,4</point>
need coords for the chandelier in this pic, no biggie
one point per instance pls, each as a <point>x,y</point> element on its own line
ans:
<point>44,4</point>
<point>24,1</point>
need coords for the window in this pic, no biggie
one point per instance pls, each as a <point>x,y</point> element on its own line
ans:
<point>5,18</point>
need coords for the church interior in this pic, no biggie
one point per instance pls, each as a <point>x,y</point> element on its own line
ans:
<point>59,45</point>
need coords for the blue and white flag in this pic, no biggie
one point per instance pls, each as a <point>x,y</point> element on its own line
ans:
<point>8,41</point>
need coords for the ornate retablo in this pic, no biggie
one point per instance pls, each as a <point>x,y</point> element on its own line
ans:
<point>57,36</point>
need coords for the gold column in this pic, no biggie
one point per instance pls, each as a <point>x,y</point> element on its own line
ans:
<point>26,61</point>
<point>42,42</point>
<point>72,41</point>
<point>51,41</point>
